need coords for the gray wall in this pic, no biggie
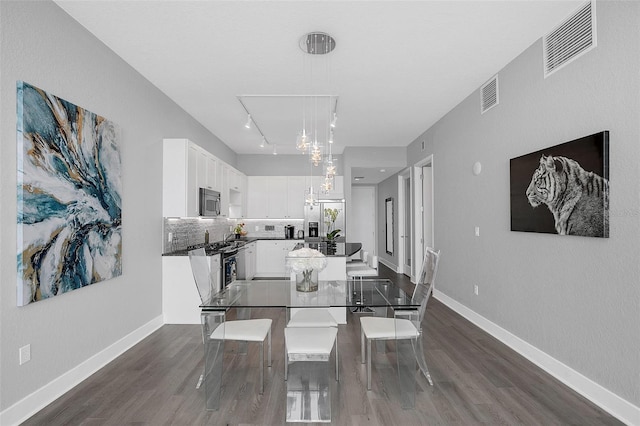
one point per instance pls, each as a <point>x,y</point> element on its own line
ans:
<point>43,46</point>
<point>575,298</point>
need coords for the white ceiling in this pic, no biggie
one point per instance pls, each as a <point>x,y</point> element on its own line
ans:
<point>398,66</point>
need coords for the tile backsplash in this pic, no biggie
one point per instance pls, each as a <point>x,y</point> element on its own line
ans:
<point>191,231</point>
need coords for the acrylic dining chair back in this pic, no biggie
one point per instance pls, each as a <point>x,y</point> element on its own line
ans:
<point>201,273</point>
<point>426,279</point>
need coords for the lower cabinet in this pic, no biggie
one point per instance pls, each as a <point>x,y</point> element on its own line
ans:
<point>246,262</point>
<point>271,257</point>
<point>180,297</point>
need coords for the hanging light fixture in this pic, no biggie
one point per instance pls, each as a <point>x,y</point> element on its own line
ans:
<point>314,45</point>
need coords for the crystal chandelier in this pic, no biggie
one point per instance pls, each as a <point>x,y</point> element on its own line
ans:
<point>307,142</point>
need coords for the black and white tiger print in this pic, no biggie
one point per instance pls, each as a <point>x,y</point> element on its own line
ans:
<point>578,199</point>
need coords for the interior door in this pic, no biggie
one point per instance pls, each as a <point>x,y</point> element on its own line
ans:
<point>427,207</point>
<point>406,232</point>
<point>363,228</point>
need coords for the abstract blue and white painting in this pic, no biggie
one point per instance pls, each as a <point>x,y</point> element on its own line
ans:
<point>69,196</point>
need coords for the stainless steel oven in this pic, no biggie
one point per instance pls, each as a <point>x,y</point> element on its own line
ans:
<point>229,268</point>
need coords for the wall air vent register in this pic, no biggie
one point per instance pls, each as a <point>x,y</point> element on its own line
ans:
<point>570,40</point>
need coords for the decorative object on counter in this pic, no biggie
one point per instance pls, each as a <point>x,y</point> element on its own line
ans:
<point>206,236</point>
<point>306,263</point>
<point>331,215</point>
<point>239,230</point>
<point>330,218</point>
<point>69,218</point>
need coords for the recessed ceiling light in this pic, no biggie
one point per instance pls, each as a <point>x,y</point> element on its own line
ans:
<point>383,170</point>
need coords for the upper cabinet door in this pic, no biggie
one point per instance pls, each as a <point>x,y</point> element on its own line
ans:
<point>201,169</point>
<point>296,186</point>
<point>257,197</point>
<point>278,197</point>
<point>212,166</point>
<point>192,182</point>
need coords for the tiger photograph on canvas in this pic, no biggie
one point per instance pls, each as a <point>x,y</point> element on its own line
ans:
<point>563,189</point>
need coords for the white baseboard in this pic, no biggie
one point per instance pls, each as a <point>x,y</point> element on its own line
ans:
<point>618,407</point>
<point>31,404</point>
<point>394,268</point>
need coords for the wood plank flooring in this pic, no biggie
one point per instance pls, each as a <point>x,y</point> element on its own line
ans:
<point>477,380</point>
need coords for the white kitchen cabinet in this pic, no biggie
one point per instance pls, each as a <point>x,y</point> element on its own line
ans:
<point>247,262</point>
<point>180,298</point>
<point>271,256</point>
<point>276,197</point>
<point>235,179</point>
<point>296,185</point>
<point>257,197</point>
<point>206,170</point>
<point>237,193</point>
<point>179,178</point>
<point>186,167</point>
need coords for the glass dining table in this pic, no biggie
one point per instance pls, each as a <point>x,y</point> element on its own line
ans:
<point>378,296</point>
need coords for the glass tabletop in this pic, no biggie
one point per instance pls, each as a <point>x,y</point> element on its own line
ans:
<point>283,294</point>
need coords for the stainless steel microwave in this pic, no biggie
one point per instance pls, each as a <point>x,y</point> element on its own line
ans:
<point>209,202</point>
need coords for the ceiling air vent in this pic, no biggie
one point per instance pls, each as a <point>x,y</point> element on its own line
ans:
<point>489,95</point>
<point>571,39</point>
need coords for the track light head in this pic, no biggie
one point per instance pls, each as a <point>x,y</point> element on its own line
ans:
<point>248,124</point>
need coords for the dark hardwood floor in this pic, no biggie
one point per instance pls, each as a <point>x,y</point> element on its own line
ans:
<point>477,380</point>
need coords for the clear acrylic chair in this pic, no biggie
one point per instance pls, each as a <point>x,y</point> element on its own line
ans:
<point>308,388</point>
<point>252,330</point>
<point>382,328</point>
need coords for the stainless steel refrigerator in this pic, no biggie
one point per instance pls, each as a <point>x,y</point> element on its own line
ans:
<point>319,216</point>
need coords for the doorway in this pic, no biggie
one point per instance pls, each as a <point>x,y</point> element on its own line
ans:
<point>404,223</point>
<point>363,205</point>
<point>422,210</point>
<point>416,219</point>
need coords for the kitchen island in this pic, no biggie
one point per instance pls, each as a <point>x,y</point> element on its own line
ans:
<point>180,298</point>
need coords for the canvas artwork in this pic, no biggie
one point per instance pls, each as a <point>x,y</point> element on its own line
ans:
<point>69,196</point>
<point>563,189</point>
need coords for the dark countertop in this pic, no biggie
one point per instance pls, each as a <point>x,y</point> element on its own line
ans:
<point>236,243</point>
<point>341,249</point>
<point>329,250</point>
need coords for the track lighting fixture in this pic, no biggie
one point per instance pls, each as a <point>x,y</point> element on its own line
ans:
<point>275,152</point>
<point>263,142</point>
<point>248,124</point>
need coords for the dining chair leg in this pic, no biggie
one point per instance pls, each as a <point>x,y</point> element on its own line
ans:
<point>368,364</point>
<point>418,352</point>
<point>286,366</point>
<point>362,357</point>
<point>262,367</point>
<point>269,336</point>
<point>337,358</point>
